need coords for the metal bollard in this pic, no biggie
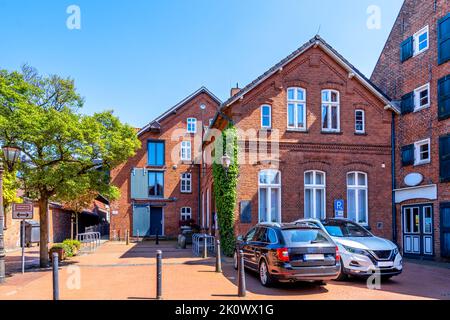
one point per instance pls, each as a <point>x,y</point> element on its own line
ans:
<point>242,288</point>
<point>55,276</point>
<point>218,257</point>
<point>205,248</point>
<point>127,237</point>
<point>159,275</point>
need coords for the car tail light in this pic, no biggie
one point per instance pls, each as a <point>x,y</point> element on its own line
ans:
<point>283,254</point>
<point>338,256</point>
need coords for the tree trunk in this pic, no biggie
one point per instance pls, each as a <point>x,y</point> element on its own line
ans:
<point>77,224</point>
<point>71,226</point>
<point>43,221</point>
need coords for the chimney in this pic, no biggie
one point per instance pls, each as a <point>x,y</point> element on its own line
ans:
<point>235,91</point>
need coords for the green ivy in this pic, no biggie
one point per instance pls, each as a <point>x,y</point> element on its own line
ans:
<point>225,184</point>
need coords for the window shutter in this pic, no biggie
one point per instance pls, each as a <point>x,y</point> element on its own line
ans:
<point>407,104</point>
<point>444,158</point>
<point>444,39</point>
<point>406,50</point>
<point>408,155</point>
<point>139,184</point>
<point>444,97</point>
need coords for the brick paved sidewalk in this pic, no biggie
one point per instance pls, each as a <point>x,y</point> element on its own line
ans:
<point>117,271</point>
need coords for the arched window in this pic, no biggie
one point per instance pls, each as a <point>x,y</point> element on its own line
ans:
<point>269,196</point>
<point>296,108</point>
<point>357,204</point>
<point>330,111</point>
<point>315,194</point>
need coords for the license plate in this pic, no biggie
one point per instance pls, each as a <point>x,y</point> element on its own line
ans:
<point>385,264</point>
<point>310,257</point>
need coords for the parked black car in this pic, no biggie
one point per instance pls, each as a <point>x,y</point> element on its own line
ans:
<point>289,252</point>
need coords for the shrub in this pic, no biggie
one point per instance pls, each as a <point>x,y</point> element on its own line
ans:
<point>67,248</point>
<point>72,246</point>
<point>73,243</point>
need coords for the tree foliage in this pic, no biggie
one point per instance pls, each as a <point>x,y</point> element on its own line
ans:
<point>225,184</point>
<point>65,153</point>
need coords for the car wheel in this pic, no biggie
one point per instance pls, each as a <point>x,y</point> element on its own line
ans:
<point>386,278</point>
<point>264,276</point>
<point>235,260</point>
<point>342,276</point>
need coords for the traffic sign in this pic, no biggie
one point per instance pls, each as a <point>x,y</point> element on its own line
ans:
<point>22,211</point>
<point>339,208</point>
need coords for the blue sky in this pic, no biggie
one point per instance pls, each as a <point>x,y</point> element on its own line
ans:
<point>141,57</point>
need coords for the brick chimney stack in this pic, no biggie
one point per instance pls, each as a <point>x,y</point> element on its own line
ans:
<point>235,90</point>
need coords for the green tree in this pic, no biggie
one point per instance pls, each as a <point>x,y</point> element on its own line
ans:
<point>225,184</point>
<point>65,152</point>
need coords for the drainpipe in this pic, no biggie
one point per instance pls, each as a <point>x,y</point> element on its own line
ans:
<point>394,186</point>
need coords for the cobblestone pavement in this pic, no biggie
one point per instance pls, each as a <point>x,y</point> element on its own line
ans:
<point>117,271</point>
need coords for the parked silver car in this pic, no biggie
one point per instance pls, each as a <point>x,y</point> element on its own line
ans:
<point>362,253</point>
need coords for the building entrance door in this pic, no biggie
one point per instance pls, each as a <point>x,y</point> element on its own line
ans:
<point>418,230</point>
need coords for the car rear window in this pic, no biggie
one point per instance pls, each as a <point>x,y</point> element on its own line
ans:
<point>295,237</point>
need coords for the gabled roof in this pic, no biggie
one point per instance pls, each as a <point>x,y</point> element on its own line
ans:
<point>316,41</point>
<point>155,124</point>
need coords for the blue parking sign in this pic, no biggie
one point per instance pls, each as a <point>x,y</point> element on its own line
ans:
<point>339,208</point>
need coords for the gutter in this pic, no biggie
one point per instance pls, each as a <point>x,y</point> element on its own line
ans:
<point>394,185</point>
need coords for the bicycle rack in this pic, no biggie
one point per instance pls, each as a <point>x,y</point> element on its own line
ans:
<point>198,243</point>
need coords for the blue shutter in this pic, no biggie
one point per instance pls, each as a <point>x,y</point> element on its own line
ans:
<point>444,97</point>
<point>444,39</point>
<point>444,158</point>
<point>406,49</point>
<point>408,155</point>
<point>139,184</point>
<point>407,104</point>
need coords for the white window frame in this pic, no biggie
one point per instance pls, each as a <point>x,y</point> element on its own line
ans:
<point>417,92</point>
<point>363,121</point>
<point>191,125</point>
<point>184,213</point>
<point>416,43</point>
<point>269,187</point>
<point>296,102</point>
<point>356,187</point>
<point>314,187</point>
<point>262,116</point>
<point>186,182</point>
<point>417,145</point>
<point>186,151</point>
<point>329,105</point>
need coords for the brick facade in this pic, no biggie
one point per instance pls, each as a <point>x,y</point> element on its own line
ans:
<point>336,154</point>
<point>172,130</point>
<point>397,79</point>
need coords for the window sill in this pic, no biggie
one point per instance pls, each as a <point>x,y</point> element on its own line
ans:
<point>156,168</point>
<point>332,132</point>
<point>421,108</point>
<point>297,130</point>
<point>360,133</point>
<point>186,192</point>
<point>422,163</point>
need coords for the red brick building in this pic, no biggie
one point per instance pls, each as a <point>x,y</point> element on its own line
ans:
<point>160,185</point>
<point>414,69</point>
<point>329,130</point>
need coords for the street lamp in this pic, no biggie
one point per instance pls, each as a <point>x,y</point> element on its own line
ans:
<point>226,162</point>
<point>10,156</point>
